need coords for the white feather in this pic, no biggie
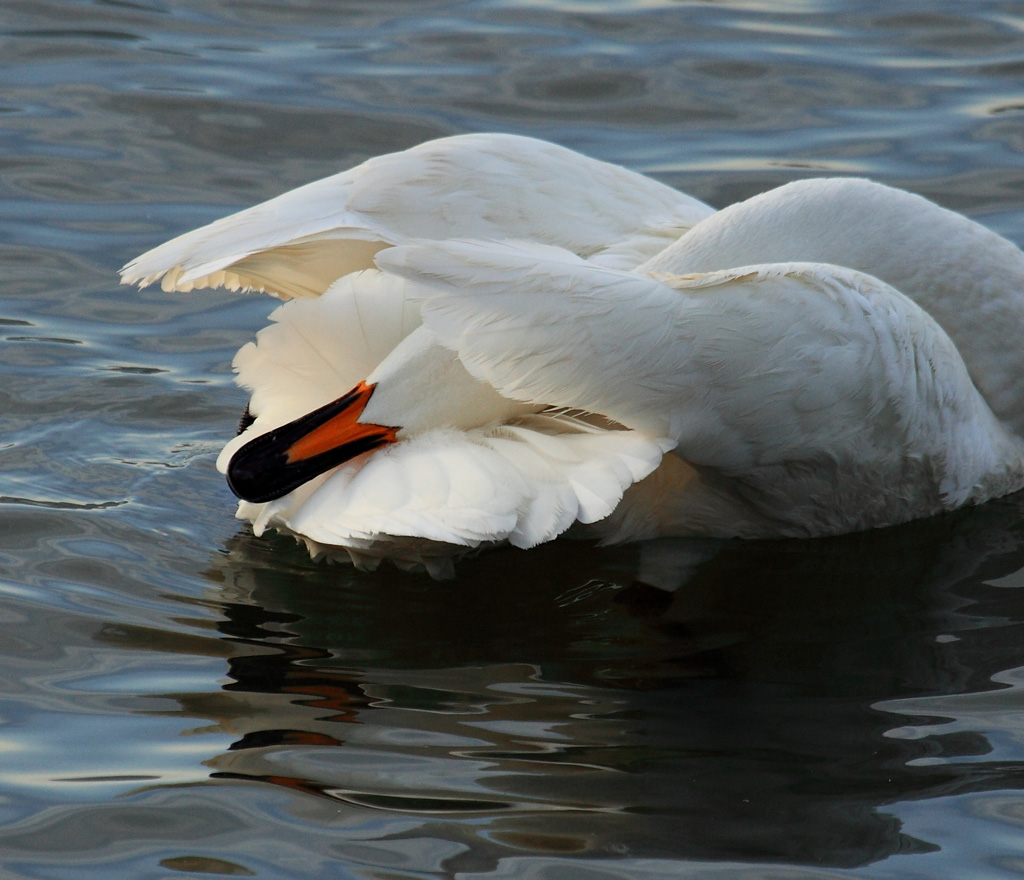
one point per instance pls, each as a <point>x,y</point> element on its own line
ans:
<point>968,278</point>
<point>827,396</point>
<point>313,351</point>
<point>481,185</point>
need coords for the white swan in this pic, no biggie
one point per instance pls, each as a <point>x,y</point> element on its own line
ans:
<point>473,392</point>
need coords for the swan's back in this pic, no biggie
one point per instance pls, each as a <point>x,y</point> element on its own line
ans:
<point>968,278</point>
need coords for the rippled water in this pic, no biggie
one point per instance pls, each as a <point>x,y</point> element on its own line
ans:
<point>181,699</point>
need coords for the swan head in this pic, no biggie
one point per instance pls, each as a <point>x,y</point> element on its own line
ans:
<point>275,463</point>
<point>420,386</point>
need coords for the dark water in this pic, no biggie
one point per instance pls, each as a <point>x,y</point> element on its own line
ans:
<point>181,699</point>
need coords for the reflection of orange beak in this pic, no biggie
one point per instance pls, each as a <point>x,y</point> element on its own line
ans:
<point>274,463</point>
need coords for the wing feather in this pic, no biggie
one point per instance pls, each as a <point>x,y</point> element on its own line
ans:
<point>488,185</point>
<point>743,369</point>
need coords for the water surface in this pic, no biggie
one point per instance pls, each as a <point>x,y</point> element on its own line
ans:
<point>182,699</point>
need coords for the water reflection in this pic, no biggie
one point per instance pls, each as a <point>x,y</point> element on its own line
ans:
<point>549,704</point>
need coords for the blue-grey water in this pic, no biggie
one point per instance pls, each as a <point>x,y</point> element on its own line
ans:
<point>180,699</point>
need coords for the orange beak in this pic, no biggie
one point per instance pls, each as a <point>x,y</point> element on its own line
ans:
<point>281,460</point>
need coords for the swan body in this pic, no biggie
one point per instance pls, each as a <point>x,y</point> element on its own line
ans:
<point>550,342</point>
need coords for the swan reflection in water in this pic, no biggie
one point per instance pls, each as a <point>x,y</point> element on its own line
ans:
<point>549,704</point>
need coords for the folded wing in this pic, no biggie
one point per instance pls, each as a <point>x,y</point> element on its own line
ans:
<point>745,370</point>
